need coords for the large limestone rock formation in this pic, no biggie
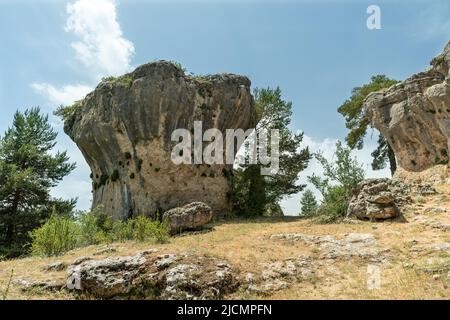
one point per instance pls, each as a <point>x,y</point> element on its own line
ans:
<point>123,128</point>
<point>414,116</point>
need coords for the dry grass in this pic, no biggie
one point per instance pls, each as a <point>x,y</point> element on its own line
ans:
<point>247,246</point>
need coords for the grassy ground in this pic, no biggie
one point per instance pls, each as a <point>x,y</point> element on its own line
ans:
<point>247,246</point>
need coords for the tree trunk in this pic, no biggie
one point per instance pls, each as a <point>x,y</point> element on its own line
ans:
<point>392,160</point>
<point>11,226</point>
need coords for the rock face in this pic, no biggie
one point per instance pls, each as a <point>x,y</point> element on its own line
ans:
<point>190,217</point>
<point>169,276</point>
<point>124,127</point>
<point>414,116</point>
<point>378,199</point>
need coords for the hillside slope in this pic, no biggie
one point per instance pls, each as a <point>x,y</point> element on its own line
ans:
<point>290,258</point>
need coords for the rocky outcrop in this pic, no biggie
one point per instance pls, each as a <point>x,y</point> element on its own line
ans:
<point>414,116</point>
<point>168,276</point>
<point>354,245</point>
<point>281,275</point>
<point>378,199</point>
<point>124,127</point>
<point>190,217</point>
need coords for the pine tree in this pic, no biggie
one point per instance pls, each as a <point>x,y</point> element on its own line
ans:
<point>308,204</point>
<point>28,170</point>
<point>357,122</point>
<point>252,192</point>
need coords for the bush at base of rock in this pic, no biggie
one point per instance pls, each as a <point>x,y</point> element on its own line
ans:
<point>61,234</point>
<point>56,236</point>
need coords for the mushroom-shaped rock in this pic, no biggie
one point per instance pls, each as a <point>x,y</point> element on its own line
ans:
<point>124,130</point>
<point>414,116</point>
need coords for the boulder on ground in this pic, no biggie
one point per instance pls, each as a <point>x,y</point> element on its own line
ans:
<point>190,217</point>
<point>378,199</point>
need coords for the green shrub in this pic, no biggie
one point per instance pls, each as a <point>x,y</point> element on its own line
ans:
<point>334,205</point>
<point>121,231</point>
<point>57,236</point>
<point>142,230</point>
<point>340,177</point>
<point>161,231</point>
<point>145,229</point>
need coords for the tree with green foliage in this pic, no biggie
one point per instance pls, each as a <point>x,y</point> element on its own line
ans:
<point>28,170</point>
<point>252,192</point>
<point>357,122</point>
<point>308,204</point>
<point>340,177</point>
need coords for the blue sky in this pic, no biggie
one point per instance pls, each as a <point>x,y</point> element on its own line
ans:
<point>53,52</point>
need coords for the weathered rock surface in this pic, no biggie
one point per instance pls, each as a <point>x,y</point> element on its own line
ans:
<point>353,245</point>
<point>378,199</point>
<point>414,116</point>
<point>189,217</point>
<point>124,127</point>
<point>280,275</point>
<point>57,266</point>
<point>32,285</point>
<point>169,276</point>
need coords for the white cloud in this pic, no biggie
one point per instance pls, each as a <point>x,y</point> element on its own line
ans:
<point>291,206</point>
<point>102,51</point>
<point>64,95</point>
<point>101,46</point>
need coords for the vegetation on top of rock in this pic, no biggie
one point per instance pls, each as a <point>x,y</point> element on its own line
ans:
<point>125,80</point>
<point>68,113</point>
<point>357,122</point>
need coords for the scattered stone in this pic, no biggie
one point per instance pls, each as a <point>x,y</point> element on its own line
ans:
<point>165,261</point>
<point>433,210</point>
<point>171,276</point>
<point>432,223</point>
<point>425,189</point>
<point>103,251</point>
<point>30,285</point>
<point>80,260</point>
<point>190,217</point>
<point>353,245</point>
<point>57,266</point>
<point>280,275</point>
<point>378,199</point>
